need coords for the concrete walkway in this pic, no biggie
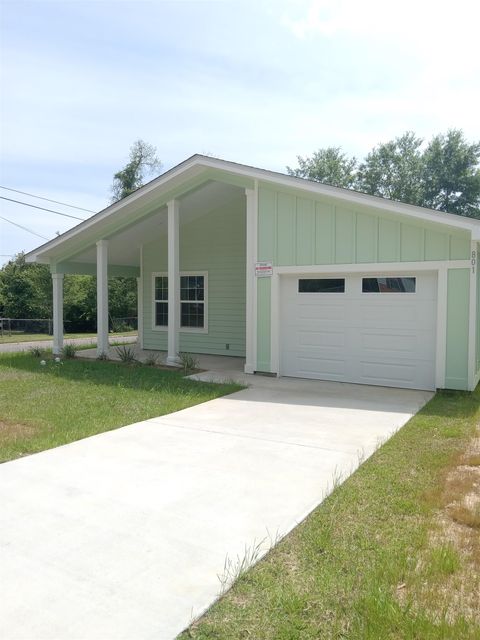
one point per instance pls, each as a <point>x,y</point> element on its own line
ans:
<point>124,535</point>
<point>11,347</point>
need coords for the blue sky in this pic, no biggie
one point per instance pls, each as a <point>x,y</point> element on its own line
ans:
<point>255,82</point>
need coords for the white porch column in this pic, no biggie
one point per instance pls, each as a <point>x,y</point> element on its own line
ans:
<point>102,297</point>
<point>140,312</point>
<point>173,282</point>
<point>57,281</point>
<point>251,284</point>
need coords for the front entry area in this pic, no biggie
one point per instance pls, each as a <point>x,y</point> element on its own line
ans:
<point>363,328</point>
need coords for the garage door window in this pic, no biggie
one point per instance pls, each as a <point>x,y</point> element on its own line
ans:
<point>321,285</point>
<point>389,285</point>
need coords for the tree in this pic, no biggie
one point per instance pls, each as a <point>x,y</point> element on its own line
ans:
<point>142,161</point>
<point>451,177</point>
<point>329,165</point>
<point>444,175</point>
<point>394,170</point>
<point>25,289</point>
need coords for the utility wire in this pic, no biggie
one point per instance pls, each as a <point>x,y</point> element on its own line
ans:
<point>24,228</point>
<point>24,193</point>
<point>26,204</point>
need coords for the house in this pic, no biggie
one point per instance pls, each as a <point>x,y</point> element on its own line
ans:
<point>296,277</point>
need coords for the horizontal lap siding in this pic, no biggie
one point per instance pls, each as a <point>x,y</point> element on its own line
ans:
<point>214,243</point>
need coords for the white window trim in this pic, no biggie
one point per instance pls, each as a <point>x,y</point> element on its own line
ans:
<point>204,329</point>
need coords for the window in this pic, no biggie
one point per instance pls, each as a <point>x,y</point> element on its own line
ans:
<point>160,301</point>
<point>321,285</point>
<point>192,301</point>
<point>193,295</point>
<point>389,285</point>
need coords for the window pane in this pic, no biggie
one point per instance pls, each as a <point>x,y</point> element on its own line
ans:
<point>322,285</point>
<point>389,285</point>
<point>161,288</point>
<point>192,314</point>
<point>161,314</point>
<point>192,288</point>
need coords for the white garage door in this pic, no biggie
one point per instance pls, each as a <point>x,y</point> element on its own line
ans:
<point>369,329</point>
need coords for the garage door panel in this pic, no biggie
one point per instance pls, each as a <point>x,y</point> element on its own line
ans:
<point>371,338</point>
<point>330,339</point>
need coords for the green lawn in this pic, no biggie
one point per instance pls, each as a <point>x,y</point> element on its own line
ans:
<point>389,555</point>
<point>38,337</point>
<point>47,406</point>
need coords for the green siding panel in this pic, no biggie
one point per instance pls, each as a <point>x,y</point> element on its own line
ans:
<point>412,241</point>
<point>263,324</point>
<point>388,240</point>
<point>294,229</point>
<point>305,232</point>
<point>324,233</point>
<point>267,212</point>
<point>285,229</point>
<point>458,281</point>
<point>344,236</point>
<point>436,245</point>
<point>459,247</point>
<point>366,238</point>
<point>214,243</point>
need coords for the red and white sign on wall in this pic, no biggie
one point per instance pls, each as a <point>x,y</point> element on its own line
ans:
<point>263,269</point>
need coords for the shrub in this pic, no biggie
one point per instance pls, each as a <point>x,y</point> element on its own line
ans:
<point>36,352</point>
<point>151,360</point>
<point>69,351</point>
<point>126,354</point>
<point>189,362</point>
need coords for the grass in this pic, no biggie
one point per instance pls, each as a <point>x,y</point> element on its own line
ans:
<point>38,337</point>
<point>46,406</point>
<point>384,556</point>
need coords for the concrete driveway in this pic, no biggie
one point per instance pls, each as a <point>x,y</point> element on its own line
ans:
<point>123,535</point>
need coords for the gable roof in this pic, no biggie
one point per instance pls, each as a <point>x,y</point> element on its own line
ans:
<point>197,164</point>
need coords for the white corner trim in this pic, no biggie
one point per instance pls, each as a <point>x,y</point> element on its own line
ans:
<point>472,319</point>
<point>140,315</point>
<point>251,214</point>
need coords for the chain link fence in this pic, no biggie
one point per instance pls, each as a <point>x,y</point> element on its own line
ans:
<point>10,327</point>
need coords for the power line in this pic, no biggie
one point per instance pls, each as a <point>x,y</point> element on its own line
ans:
<point>32,195</point>
<point>26,204</point>
<point>24,228</point>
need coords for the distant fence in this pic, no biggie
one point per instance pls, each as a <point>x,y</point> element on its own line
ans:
<point>21,326</point>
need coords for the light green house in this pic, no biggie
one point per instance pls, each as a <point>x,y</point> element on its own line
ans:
<point>298,278</point>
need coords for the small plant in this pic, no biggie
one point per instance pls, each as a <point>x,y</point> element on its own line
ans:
<point>126,354</point>
<point>69,351</point>
<point>188,361</point>
<point>36,352</point>
<point>151,360</point>
<point>102,356</point>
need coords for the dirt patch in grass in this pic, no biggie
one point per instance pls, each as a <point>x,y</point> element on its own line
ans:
<point>448,571</point>
<point>15,430</point>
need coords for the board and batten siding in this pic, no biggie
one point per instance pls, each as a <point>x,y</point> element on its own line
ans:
<point>215,243</point>
<point>295,230</point>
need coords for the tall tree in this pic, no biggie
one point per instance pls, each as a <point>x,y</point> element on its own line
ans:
<point>394,170</point>
<point>142,162</point>
<point>329,165</point>
<point>452,174</point>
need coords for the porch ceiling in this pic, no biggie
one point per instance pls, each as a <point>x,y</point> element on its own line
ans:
<point>124,245</point>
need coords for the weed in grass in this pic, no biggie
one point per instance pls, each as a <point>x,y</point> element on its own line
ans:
<point>188,361</point>
<point>102,356</point>
<point>126,354</point>
<point>443,560</point>
<point>151,360</point>
<point>69,351</point>
<point>36,352</point>
<point>233,569</point>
